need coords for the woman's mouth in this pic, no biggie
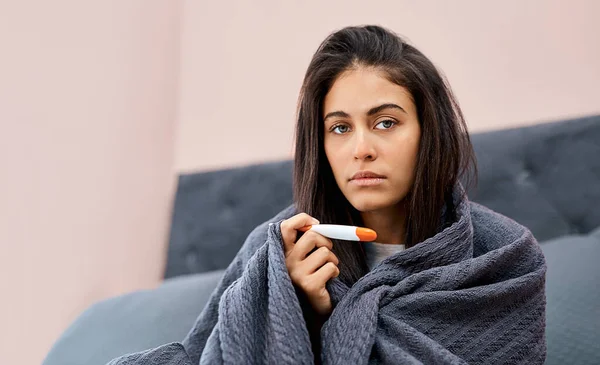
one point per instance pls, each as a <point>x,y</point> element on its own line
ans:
<point>366,178</point>
<point>367,181</point>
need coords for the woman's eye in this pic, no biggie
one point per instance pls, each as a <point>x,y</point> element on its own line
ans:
<point>387,124</point>
<point>340,129</point>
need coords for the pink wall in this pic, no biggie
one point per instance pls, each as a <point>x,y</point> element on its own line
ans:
<point>102,103</point>
<point>510,63</point>
<point>87,94</point>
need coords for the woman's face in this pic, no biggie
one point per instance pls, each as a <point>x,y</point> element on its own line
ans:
<point>371,125</point>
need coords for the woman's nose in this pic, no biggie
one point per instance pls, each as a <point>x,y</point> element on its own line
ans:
<point>364,149</point>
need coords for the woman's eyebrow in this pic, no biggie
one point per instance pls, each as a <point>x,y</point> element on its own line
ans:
<point>371,111</point>
<point>338,113</point>
<point>377,109</point>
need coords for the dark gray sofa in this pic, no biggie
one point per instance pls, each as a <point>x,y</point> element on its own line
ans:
<point>546,177</point>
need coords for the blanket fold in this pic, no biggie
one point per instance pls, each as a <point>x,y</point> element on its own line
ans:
<point>473,293</point>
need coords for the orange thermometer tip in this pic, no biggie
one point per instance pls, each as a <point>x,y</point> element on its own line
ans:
<point>366,234</point>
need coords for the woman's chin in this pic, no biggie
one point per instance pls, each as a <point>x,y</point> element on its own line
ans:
<point>367,204</point>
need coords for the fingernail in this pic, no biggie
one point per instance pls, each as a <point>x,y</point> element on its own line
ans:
<point>315,221</point>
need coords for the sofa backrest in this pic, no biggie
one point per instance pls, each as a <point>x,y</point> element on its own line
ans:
<point>214,211</point>
<point>547,177</point>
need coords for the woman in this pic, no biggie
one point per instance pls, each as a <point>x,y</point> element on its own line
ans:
<point>380,143</point>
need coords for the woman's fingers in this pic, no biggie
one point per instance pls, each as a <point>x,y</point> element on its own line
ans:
<point>309,269</point>
<point>317,259</point>
<point>325,273</point>
<point>308,242</point>
<point>289,228</point>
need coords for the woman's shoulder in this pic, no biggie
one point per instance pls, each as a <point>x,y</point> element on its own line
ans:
<point>492,230</point>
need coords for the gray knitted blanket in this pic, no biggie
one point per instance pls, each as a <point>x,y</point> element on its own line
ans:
<point>473,293</point>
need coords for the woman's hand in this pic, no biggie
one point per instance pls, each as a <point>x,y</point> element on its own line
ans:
<point>309,271</point>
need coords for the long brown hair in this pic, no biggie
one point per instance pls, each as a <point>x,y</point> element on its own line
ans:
<point>445,151</point>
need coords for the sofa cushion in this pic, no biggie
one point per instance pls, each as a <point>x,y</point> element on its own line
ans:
<point>573,299</point>
<point>134,322</point>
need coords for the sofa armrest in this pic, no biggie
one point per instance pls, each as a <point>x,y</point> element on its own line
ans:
<point>134,321</point>
<point>573,299</point>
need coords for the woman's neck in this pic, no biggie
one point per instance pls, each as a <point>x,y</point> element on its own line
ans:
<point>389,223</point>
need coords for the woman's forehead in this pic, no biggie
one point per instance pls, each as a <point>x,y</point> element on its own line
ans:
<point>358,91</point>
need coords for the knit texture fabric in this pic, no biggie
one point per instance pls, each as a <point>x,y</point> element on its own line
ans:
<point>473,293</point>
